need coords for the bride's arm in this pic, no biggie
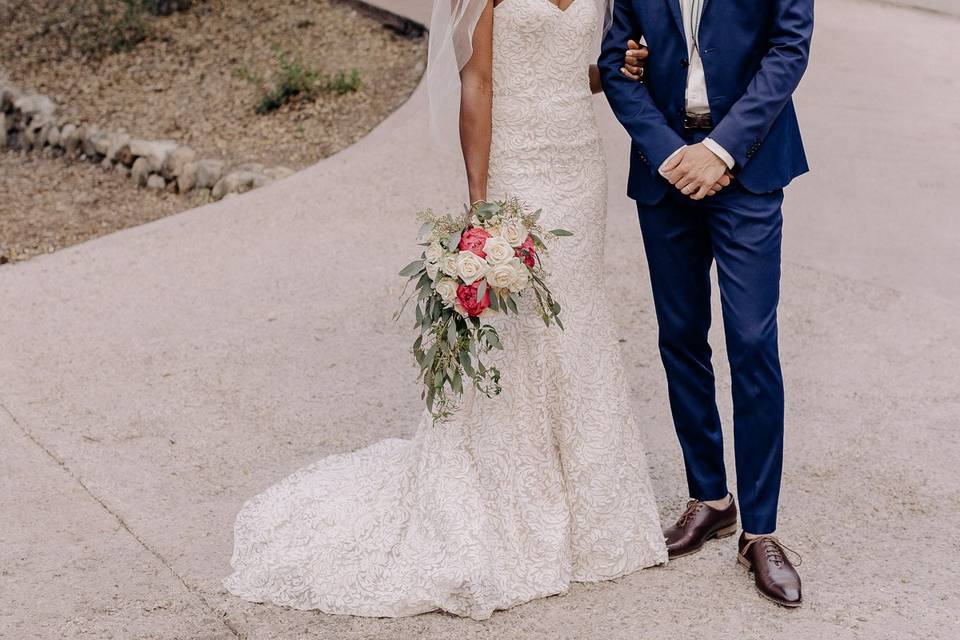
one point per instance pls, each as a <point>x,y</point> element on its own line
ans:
<point>476,104</point>
<point>634,62</point>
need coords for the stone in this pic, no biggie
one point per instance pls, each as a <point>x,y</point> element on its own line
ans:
<point>3,138</point>
<point>102,143</point>
<point>176,160</point>
<point>70,139</point>
<point>209,173</point>
<point>53,136</point>
<point>8,94</point>
<point>119,149</point>
<point>187,178</point>
<point>154,151</point>
<point>278,173</point>
<point>28,139</point>
<point>31,105</point>
<point>140,171</point>
<point>122,170</point>
<point>253,167</point>
<point>106,164</point>
<point>156,181</point>
<point>234,182</point>
<point>89,141</point>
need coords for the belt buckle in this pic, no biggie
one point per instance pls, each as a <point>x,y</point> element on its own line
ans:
<point>697,122</point>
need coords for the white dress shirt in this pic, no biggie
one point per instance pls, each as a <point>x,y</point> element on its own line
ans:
<point>697,100</point>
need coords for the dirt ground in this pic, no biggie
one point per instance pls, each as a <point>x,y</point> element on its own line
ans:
<point>49,203</point>
<point>190,79</point>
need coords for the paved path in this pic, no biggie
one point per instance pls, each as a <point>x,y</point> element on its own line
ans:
<point>155,378</point>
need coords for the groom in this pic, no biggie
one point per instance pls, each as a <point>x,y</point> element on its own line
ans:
<point>715,141</point>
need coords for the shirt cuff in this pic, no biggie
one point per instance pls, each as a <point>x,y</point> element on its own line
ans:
<point>719,151</point>
<point>669,158</point>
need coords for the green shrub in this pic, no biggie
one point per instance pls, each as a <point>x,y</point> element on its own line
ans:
<point>295,80</point>
<point>130,29</point>
<point>343,83</point>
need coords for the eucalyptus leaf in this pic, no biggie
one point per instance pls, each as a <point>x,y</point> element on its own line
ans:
<point>412,269</point>
<point>561,233</point>
<point>466,364</point>
<point>425,230</point>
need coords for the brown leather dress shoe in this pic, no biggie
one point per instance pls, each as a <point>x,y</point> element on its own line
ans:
<point>697,524</point>
<point>774,575</point>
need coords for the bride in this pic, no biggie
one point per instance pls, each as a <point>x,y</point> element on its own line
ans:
<point>519,495</point>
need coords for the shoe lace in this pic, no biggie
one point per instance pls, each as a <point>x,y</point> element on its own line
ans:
<point>693,506</point>
<point>774,550</point>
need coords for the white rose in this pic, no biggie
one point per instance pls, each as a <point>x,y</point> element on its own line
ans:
<point>446,288</point>
<point>470,267</point>
<point>459,309</point>
<point>434,252</point>
<point>448,264</point>
<point>513,232</point>
<point>432,269</point>
<point>498,250</point>
<point>501,276</point>
<point>521,276</point>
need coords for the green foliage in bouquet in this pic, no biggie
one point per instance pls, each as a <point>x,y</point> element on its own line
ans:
<point>457,286</point>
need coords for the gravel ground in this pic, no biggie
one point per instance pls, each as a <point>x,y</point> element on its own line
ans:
<point>48,203</point>
<point>189,80</point>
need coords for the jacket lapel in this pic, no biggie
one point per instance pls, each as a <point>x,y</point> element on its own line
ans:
<point>677,15</point>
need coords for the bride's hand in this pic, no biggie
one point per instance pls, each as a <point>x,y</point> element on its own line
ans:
<point>634,60</point>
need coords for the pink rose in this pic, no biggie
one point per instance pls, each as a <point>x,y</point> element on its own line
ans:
<point>467,297</point>
<point>526,252</point>
<point>473,240</point>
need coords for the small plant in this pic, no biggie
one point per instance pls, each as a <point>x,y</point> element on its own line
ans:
<point>130,29</point>
<point>343,83</point>
<point>294,80</point>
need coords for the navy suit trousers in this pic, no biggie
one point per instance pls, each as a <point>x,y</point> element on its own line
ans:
<point>742,232</point>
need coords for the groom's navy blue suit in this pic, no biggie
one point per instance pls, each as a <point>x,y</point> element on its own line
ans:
<point>754,53</point>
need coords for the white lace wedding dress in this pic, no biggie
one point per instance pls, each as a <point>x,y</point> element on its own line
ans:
<point>519,495</point>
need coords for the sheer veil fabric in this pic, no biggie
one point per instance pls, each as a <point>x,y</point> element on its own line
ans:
<point>452,25</point>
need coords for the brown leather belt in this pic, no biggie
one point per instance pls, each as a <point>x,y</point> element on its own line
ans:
<point>698,122</point>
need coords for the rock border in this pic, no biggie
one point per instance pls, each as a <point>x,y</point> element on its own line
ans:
<point>30,123</point>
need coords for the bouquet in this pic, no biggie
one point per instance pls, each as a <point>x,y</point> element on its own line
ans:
<point>473,266</point>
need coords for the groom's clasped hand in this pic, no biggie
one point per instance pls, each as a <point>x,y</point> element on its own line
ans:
<point>694,170</point>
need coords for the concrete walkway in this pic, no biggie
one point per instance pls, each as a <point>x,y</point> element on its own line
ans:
<point>155,378</point>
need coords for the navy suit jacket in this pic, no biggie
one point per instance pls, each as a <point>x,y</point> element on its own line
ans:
<point>754,53</point>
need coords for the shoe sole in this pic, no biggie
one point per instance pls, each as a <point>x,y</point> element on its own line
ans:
<point>783,603</point>
<point>719,534</point>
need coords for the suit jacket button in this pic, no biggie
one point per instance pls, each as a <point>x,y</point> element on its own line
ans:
<point>684,63</point>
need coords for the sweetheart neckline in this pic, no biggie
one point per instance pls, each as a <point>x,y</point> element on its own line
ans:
<point>552,4</point>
